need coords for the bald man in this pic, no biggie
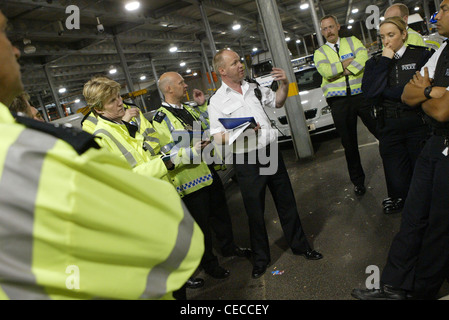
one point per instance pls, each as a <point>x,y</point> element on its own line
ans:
<point>197,182</point>
<point>401,10</point>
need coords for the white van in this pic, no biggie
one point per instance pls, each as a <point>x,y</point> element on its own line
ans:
<point>317,112</point>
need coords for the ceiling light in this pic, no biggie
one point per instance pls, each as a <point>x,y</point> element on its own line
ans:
<point>254,49</point>
<point>188,70</point>
<point>236,26</point>
<point>298,41</point>
<point>143,78</point>
<point>416,8</point>
<point>287,39</point>
<point>349,27</point>
<point>77,100</point>
<point>113,71</point>
<point>382,18</point>
<point>62,90</point>
<point>182,64</point>
<point>173,48</point>
<point>355,10</point>
<point>304,6</point>
<point>351,21</point>
<point>132,5</point>
<point>195,74</point>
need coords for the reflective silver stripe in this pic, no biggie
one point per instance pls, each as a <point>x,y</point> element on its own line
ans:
<point>92,119</point>
<point>357,65</point>
<point>149,148</point>
<point>359,49</point>
<point>19,185</point>
<point>334,68</point>
<point>336,85</point>
<point>128,156</point>
<point>156,286</point>
<point>321,62</point>
<point>355,81</point>
<point>351,43</point>
<point>169,125</point>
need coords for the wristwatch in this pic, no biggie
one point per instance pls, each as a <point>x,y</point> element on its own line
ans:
<point>427,91</point>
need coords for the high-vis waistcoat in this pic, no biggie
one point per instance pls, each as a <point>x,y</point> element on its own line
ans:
<point>145,128</point>
<point>136,151</point>
<point>328,64</point>
<point>202,114</point>
<point>190,174</point>
<point>414,38</point>
<point>79,225</point>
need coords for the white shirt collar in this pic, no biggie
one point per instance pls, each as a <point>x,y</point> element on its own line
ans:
<point>400,52</point>
<point>228,89</point>
<point>172,105</point>
<point>332,45</point>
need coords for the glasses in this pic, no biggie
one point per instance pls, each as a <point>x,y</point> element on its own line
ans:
<point>432,19</point>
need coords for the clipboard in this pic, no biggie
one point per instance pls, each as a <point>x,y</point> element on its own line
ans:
<point>232,123</point>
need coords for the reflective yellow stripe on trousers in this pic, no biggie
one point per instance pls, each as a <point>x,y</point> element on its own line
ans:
<point>19,185</point>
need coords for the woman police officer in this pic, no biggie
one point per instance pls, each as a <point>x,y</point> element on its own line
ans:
<point>401,128</point>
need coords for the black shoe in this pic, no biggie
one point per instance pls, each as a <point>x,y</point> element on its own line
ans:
<point>217,272</point>
<point>237,252</point>
<point>311,255</point>
<point>194,283</point>
<point>360,190</point>
<point>258,271</point>
<point>391,205</point>
<point>386,292</point>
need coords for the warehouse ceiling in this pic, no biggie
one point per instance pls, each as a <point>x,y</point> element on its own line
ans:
<point>71,57</point>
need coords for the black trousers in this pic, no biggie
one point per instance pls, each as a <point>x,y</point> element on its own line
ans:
<point>209,209</point>
<point>345,111</point>
<point>253,187</point>
<point>400,142</point>
<point>418,259</point>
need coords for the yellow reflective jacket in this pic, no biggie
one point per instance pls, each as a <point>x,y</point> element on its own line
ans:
<point>190,173</point>
<point>144,126</point>
<point>79,225</point>
<point>136,151</point>
<point>414,38</point>
<point>328,64</point>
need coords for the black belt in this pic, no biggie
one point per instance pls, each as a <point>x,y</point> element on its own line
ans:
<point>395,113</point>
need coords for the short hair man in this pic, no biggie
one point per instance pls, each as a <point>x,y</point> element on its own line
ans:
<point>341,63</point>
<point>238,98</point>
<point>21,104</point>
<point>401,10</point>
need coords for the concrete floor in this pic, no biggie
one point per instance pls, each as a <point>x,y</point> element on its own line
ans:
<point>352,233</point>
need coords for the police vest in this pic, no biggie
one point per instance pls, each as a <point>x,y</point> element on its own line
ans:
<point>77,223</point>
<point>135,150</point>
<point>441,79</point>
<point>190,173</point>
<point>328,64</point>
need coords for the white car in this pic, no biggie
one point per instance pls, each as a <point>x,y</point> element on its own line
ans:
<point>317,112</point>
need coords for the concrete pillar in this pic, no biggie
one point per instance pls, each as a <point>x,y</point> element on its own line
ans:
<point>316,23</point>
<point>203,51</point>
<point>271,22</point>
<point>53,92</point>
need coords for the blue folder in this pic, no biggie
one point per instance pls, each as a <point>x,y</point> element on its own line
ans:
<point>231,123</point>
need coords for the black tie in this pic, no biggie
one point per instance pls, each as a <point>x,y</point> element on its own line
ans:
<point>348,88</point>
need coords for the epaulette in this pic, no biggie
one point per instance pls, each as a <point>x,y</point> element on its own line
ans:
<point>159,116</point>
<point>80,140</point>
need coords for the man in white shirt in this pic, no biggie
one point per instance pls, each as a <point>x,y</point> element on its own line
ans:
<point>239,98</point>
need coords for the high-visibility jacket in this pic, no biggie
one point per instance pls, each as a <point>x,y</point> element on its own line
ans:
<point>144,126</point>
<point>203,115</point>
<point>414,38</point>
<point>328,64</point>
<point>135,150</point>
<point>75,222</point>
<point>190,173</point>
